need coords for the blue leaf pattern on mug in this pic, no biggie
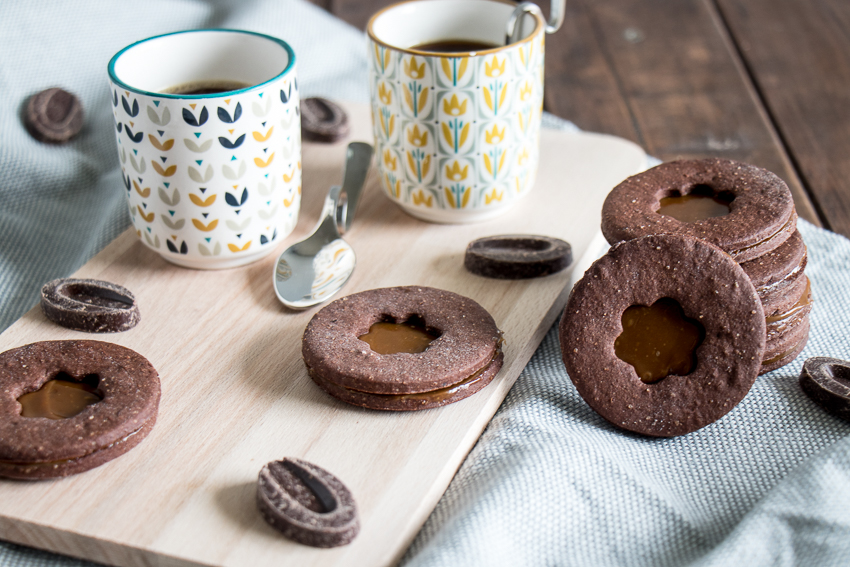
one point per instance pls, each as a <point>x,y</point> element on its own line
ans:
<point>224,116</point>
<point>132,112</point>
<point>190,119</point>
<point>230,145</point>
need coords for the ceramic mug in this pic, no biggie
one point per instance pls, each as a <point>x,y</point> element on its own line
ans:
<point>213,179</point>
<point>456,134</point>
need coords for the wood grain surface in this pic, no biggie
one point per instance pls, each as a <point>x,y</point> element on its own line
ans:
<point>235,393</point>
<point>761,81</point>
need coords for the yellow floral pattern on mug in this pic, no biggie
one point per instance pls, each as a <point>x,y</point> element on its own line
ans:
<point>457,132</point>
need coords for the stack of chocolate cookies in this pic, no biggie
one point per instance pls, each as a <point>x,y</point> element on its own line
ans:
<point>746,211</point>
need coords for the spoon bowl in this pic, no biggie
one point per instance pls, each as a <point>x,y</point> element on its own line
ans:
<point>314,270</point>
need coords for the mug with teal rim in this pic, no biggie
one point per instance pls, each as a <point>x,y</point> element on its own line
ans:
<point>212,179</point>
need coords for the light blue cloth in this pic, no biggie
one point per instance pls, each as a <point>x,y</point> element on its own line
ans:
<point>549,483</point>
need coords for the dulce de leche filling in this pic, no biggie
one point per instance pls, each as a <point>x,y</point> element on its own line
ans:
<point>54,464</point>
<point>804,300</point>
<point>411,337</point>
<point>60,398</point>
<point>659,340</point>
<point>698,205</point>
<point>782,229</point>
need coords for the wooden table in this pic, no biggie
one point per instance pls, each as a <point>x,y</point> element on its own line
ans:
<point>761,81</point>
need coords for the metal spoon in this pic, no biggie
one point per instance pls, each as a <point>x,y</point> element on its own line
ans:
<point>313,270</point>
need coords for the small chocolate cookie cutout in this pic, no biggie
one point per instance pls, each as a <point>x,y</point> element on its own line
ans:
<point>40,448</point>
<point>827,382</point>
<point>761,213</point>
<point>468,341</point>
<point>517,256</point>
<point>54,116</point>
<point>94,306</point>
<point>323,120</point>
<point>711,289</point>
<point>306,503</point>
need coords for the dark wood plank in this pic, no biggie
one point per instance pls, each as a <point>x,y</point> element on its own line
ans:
<point>663,74</point>
<point>798,53</point>
<point>581,83</point>
<point>357,12</point>
<point>667,75</point>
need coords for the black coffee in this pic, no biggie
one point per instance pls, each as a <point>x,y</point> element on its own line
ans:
<point>206,87</point>
<point>455,46</point>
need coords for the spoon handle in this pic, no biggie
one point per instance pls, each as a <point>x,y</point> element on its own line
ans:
<point>357,162</point>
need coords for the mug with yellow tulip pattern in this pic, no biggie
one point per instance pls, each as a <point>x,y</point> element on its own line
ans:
<point>456,113</point>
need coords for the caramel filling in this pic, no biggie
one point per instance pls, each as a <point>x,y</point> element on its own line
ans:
<point>697,205</point>
<point>412,337</point>
<point>659,340</point>
<point>52,464</point>
<point>762,291</point>
<point>804,300</point>
<point>442,393</point>
<point>781,355</point>
<point>768,239</point>
<point>60,398</point>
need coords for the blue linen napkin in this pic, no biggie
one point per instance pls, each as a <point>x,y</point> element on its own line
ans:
<point>549,482</point>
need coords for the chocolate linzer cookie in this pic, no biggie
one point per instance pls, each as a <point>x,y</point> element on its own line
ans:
<point>69,406</point>
<point>94,306</point>
<point>402,348</point>
<point>663,335</point>
<point>745,210</point>
<point>778,276</point>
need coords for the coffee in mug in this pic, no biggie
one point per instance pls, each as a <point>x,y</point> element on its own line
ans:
<point>207,87</point>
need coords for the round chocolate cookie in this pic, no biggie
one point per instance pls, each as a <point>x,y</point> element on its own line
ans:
<point>517,256</point>
<point>778,276</point>
<point>323,120</point>
<point>53,116</point>
<point>463,355</point>
<point>760,217</point>
<point>716,302</point>
<point>100,430</point>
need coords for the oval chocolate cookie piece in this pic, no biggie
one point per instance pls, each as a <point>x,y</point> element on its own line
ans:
<point>745,210</point>
<point>120,415</point>
<point>517,256</point>
<point>827,382</point>
<point>323,120</point>
<point>663,335</point>
<point>306,503</point>
<point>94,306</point>
<point>54,116</point>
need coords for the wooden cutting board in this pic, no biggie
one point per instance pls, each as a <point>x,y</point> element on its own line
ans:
<point>235,393</point>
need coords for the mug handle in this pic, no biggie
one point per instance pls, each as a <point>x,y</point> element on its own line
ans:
<point>556,18</point>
